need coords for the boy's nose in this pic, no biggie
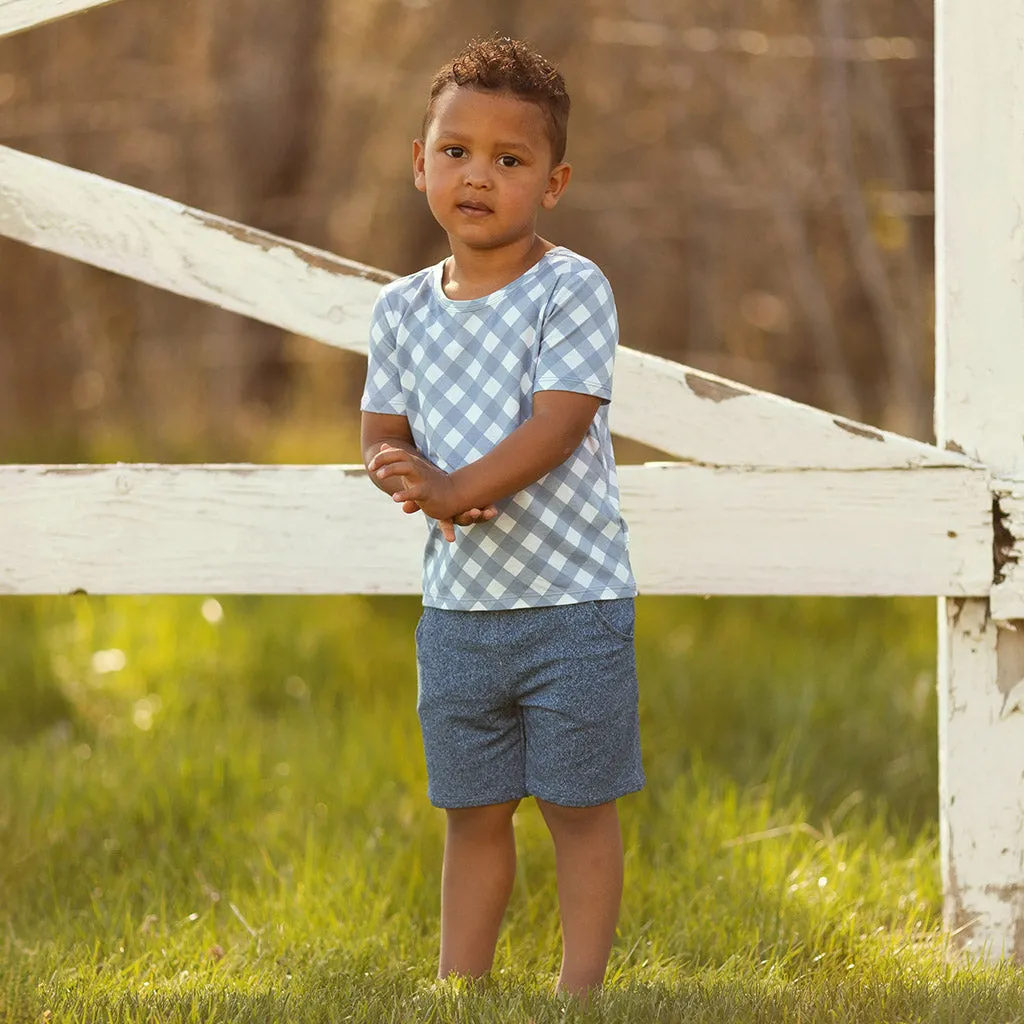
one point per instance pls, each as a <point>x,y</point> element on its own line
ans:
<point>477,176</point>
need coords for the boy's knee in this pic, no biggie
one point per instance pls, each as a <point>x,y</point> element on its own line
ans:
<point>580,820</point>
<point>481,821</point>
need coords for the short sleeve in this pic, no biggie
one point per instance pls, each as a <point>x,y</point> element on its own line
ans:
<point>578,337</point>
<point>383,391</point>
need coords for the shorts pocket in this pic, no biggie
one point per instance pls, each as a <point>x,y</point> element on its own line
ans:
<point>618,616</point>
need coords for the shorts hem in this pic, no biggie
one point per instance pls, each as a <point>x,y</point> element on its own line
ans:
<point>467,802</point>
<point>617,794</point>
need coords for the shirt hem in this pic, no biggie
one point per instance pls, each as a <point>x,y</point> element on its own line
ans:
<point>530,601</point>
<point>575,385</point>
<point>384,408</point>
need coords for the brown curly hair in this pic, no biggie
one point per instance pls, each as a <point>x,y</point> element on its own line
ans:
<point>501,64</point>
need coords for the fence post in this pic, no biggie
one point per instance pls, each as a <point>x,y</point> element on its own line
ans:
<point>980,410</point>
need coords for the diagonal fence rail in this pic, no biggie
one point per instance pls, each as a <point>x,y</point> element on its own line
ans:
<point>679,410</point>
<point>20,15</point>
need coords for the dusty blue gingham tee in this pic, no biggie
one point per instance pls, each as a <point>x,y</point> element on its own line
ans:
<point>464,374</point>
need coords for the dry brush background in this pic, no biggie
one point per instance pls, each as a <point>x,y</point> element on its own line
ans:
<point>755,179</point>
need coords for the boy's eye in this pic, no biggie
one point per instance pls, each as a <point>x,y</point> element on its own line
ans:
<point>508,161</point>
<point>456,152</point>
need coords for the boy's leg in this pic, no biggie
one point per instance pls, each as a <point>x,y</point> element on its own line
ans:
<point>589,868</point>
<point>479,870</point>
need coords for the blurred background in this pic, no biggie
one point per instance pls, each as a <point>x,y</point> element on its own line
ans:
<point>754,178</point>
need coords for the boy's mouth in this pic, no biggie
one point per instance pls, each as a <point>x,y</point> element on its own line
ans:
<point>474,209</point>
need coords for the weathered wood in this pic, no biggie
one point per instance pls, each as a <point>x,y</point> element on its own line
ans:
<point>980,753</point>
<point>716,422</point>
<point>1008,592</point>
<point>19,15</point>
<point>201,529</point>
<point>697,530</point>
<point>304,530</point>
<point>164,243</point>
<point>684,412</point>
<point>979,369</point>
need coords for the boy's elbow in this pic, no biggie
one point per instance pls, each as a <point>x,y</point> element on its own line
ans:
<point>566,441</point>
<point>565,420</point>
<point>377,429</point>
<point>571,443</point>
<point>572,431</point>
<point>367,441</point>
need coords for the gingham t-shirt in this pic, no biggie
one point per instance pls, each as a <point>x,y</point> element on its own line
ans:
<point>464,374</point>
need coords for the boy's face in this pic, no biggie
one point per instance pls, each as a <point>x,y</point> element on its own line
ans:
<point>485,166</point>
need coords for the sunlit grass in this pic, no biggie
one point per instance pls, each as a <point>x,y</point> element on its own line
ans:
<point>214,810</point>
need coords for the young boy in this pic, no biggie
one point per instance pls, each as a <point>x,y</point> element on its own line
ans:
<point>486,407</point>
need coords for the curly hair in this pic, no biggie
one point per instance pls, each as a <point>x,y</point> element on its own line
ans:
<point>501,64</point>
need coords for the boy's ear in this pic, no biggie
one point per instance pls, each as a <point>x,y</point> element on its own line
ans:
<point>557,181</point>
<point>419,174</point>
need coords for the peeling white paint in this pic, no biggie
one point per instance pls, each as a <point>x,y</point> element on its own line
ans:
<point>980,767</point>
<point>163,243</point>
<point>1013,701</point>
<point>706,419</point>
<point>979,370</point>
<point>1008,592</point>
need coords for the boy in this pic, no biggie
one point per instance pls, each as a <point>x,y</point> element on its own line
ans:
<point>486,407</point>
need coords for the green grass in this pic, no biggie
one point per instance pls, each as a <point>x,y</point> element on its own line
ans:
<point>226,821</point>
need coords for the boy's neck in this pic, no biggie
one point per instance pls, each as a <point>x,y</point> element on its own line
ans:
<point>473,273</point>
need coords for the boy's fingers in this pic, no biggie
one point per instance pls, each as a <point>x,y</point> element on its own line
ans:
<point>476,515</point>
<point>413,493</point>
<point>395,469</point>
<point>388,457</point>
<point>410,507</point>
<point>447,529</point>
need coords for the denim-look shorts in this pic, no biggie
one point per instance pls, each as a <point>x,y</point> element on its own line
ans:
<point>532,702</point>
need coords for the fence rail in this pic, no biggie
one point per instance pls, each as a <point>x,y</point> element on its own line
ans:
<point>326,529</point>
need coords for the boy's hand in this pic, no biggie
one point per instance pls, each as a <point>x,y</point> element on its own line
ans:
<point>426,487</point>
<point>422,482</point>
<point>467,518</point>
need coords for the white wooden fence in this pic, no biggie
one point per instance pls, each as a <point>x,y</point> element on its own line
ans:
<point>766,496</point>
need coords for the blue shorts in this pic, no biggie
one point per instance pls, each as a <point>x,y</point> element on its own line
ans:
<point>533,702</point>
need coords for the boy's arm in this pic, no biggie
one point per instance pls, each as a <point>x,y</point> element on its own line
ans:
<point>376,429</point>
<point>392,433</point>
<point>554,431</point>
